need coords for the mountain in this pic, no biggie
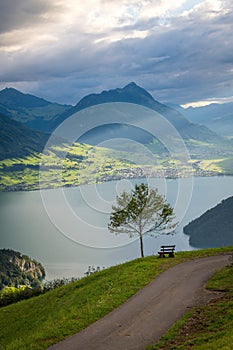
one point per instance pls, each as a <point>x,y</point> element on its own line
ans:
<point>33,111</point>
<point>217,117</point>
<point>18,140</point>
<point>132,93</point>
<point>40,114</point>
<point>213,228</point>
<point>18,269</point>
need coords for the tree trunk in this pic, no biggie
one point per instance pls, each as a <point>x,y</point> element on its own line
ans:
<point>141,246</point>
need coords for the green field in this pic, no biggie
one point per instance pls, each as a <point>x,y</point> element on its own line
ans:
<point>84,164</point>
<point>46,319</point>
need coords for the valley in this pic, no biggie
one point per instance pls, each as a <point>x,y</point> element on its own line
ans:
<point>86,164</point>
<point>25,163</point>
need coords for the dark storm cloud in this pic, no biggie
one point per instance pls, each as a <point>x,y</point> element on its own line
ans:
<point>186,58</point>
<point>187,61</point>
<point>15,14</point>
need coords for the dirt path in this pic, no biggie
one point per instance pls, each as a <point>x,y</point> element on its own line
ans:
<point>148,314</point>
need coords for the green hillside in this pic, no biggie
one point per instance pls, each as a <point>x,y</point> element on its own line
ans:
<point>86,164</point>
<point>44,320</point>
<point>17,140</point>
<point>80,164</point>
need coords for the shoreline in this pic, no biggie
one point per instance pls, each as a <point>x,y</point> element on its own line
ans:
<point>24,189</point>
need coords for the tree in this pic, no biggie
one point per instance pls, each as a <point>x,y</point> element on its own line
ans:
<point>142,211</point>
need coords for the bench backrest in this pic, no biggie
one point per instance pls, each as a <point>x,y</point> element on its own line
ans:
<point>167,248</point>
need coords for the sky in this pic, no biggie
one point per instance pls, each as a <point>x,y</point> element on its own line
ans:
<point>180,51</point>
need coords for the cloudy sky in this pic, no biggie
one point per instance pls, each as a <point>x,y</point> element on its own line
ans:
<point>180,51</point>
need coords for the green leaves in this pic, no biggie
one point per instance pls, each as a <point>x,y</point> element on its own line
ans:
<point>143,211</point>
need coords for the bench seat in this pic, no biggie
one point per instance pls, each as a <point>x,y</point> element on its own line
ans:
<point>167,250</point>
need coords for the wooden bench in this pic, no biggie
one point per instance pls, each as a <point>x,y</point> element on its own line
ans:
<point>167,249</point>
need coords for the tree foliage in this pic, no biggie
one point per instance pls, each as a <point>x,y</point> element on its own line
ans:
<point>17,269</point>
<point>142,211</point>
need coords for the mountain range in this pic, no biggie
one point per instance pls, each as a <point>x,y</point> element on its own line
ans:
<point>32,111</point>
<point>44,116</point>
<point>134,94</point>
<point>218,117</point>
<point>27,121</point>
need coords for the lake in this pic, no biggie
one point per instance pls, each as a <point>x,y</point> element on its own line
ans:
<point>66,229</point>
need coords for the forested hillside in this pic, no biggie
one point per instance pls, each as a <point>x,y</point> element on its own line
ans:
<point>17,140</point>
<point>32,111</point>
<point>17,269</point>
<point>214,228</point>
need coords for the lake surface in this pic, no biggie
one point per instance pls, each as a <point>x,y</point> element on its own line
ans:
<point>66,229</point>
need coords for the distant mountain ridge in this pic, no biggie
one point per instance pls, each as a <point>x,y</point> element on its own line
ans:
<point>132,93</point>
<point>42,115</point>
<point>214,228</point>
<point>14,98</point>
<point>217,117</point>
<point>30,110</point>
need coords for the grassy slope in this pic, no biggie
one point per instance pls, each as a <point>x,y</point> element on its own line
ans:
<point>81,164</point>
<point>84,164</point>
<point>49,318</point>
<point>17,140</point>
<point>102,165</point>
<point>208,327</point>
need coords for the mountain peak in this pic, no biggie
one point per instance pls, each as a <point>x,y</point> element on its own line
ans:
<point>130,85</point>
<point>136,89</point>
<point>7,89</point>
<point>14,98</point>
<point>131,93</point>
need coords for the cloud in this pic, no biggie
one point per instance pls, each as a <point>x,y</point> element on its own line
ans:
<point>180,52</point>
<point>208,102</point>
<point>26,13</point>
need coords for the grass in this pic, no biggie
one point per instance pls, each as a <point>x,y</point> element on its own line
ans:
<point>81,164</point>
<point>85,164</point>
<point>211,164</point>
<point>208,327</point>
<point>226,165</point>
<point>44,320</point>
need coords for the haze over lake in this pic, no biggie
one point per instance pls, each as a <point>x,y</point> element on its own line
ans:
<point>66,230</point>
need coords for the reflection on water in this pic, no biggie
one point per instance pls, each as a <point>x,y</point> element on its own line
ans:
<point>74,234</point>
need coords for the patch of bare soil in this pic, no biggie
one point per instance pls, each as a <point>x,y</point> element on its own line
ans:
<point>200,322</point>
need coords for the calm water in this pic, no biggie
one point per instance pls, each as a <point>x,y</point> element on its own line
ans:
<point>66,230</point>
